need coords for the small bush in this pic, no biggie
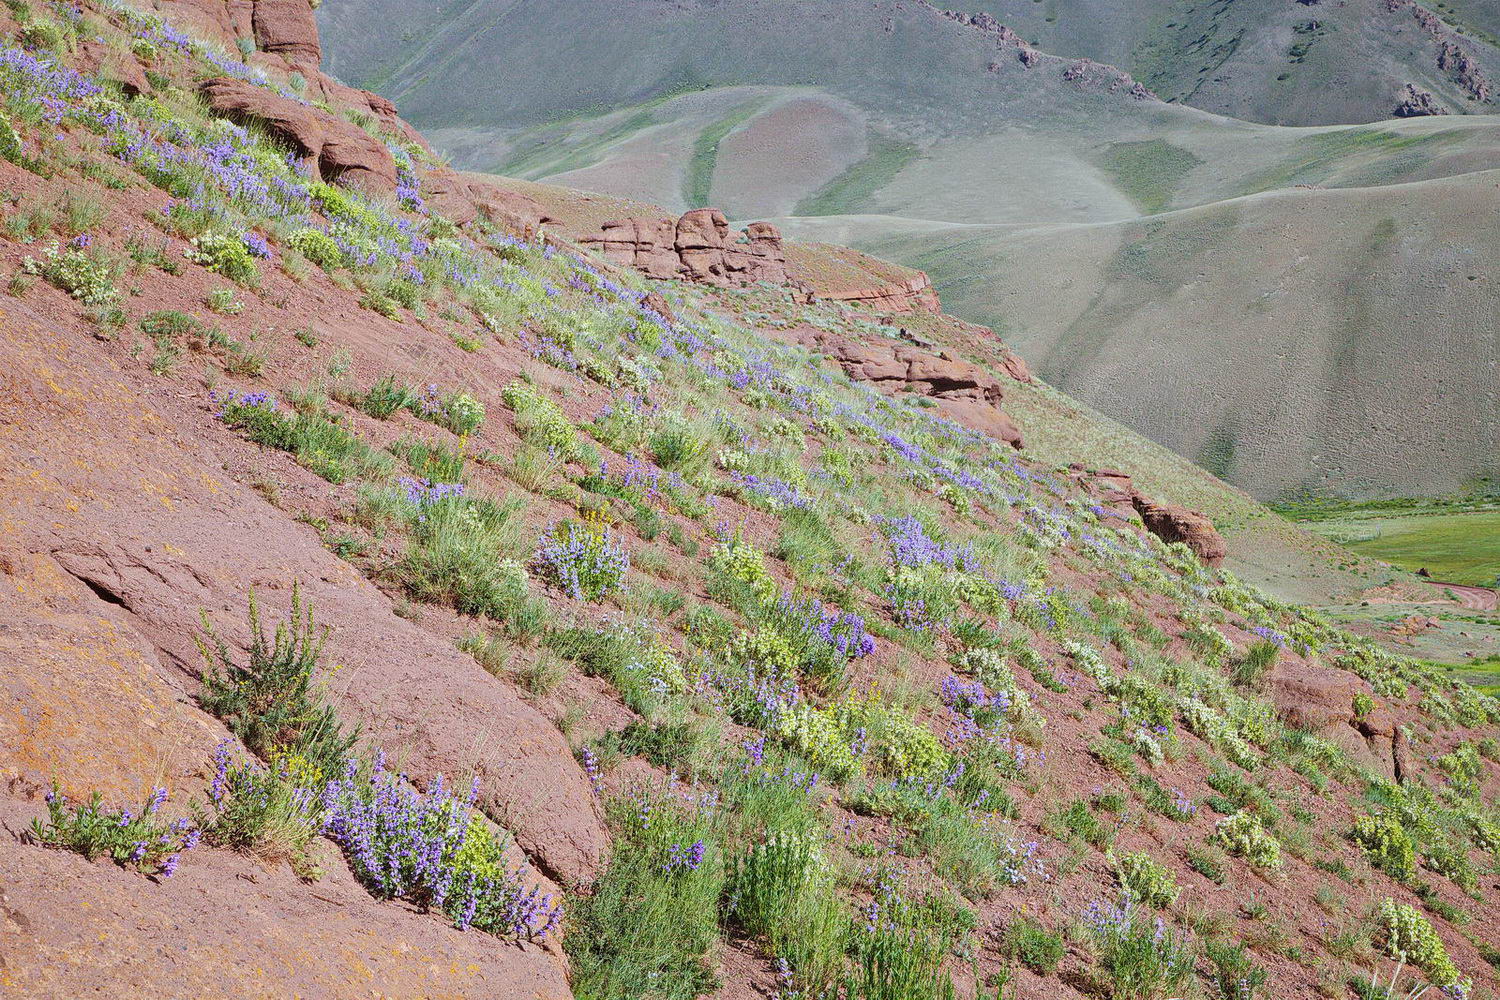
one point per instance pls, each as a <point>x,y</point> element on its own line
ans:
<point>88,276</point>
<point>273,814</point>
<point>538,419</point>
<point>584,560</point>
<point>318,247</point>
<point>44,35</point>
<point>1243,836</point>
<point>1144,881</point>
<point>459,412</point>
<point>224,253</point>
<point>1209,863</point>
<point>143,841</point>
<point>1142,959</point>
<point>432,850</point>
<point>386,397</point>
<point>1408,937</point>
<point>270,702</point>
<point>1235,977</point>
<point>1258,660</point>
<point>10,141</point>
<point>1031,944</point>
<point>1387,845</point>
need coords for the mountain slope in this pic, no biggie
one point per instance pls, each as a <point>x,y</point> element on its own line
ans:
<point>1314,63</point>
<point>1334,342</point>
<point>900,129</point>
<point>398,600</point>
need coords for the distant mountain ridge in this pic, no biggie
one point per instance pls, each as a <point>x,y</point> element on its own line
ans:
<point>1001,150</point>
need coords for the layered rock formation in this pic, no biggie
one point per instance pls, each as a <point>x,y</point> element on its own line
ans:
<point>1172,523</point>
<point>914,294</point>
<point>965,392</point>
<point>331,148</point>
<point>1417,103</point>
<point>696,247</point>
<point>1453,58</point>
<point>700,247</point>
<point>1085,73</point>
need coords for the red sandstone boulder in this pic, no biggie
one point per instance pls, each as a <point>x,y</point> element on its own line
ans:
<point>334,149</point>
<point>1314,698</point>
<point>1172,523</point>
<point>697,247</point>
<point>643,243</point>
<point>964,392</point>
<point>287,28</point>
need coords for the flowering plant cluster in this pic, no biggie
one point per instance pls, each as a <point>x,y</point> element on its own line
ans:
<point>144,841</point>
<point>430,849</point>
<point>273,813</point>
<point>87,275</point>
<point>1243,836</point>
<point>585,560</point>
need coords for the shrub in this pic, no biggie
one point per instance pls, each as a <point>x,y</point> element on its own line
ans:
<point>1451,861</point>
<point>900,947</point>
<point>386,397</point>
<point>1243,836</point>
<point>224,253</point>
<point>318,247</point>
<point>87,275</point>
<point>317,440</point>
<point>768,878</point>
<point>738,560</point>
<point>1144,881</point>
<point>1079,820</point>
<point>1142,958</point>
<point>1255,664</point>
<point>272,813</point>
<point>538,419</point>
<point>1031,944</point>
<point>143,841</point>
<point>653,916</point>
<point>1387,845</point>
<point>1408,937</point>
<point>1208,863</point>
<point>457,556</point>
<point>862,728</point>
<point>270,703</point>
<point>584,560</point>
<point>43,35</point>
<point>1235,977</point>
<point>459,412</point>
<point>431,850</point>
<point>1363,704</point>
<point>10,141</point>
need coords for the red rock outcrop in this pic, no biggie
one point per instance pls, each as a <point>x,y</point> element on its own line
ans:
<point>697,247</point>
<point>1417,103</point>
<point>333,149</point>
<point>1453,57</point>
<point>915,293</point>
<point>287,28</point>
<point>965,392</point>
<point>1172,523</point>
<point>1082,72</point>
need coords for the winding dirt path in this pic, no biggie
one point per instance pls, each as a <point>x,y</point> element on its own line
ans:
<point>1472,598</point>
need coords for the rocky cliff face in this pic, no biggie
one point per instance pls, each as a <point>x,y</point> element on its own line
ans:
<point>696,247</point>
<point>699,247</point>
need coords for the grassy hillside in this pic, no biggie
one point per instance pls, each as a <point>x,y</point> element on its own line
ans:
<point>1216,331</point>
<point>928,141</point>
<point>402,604</point>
